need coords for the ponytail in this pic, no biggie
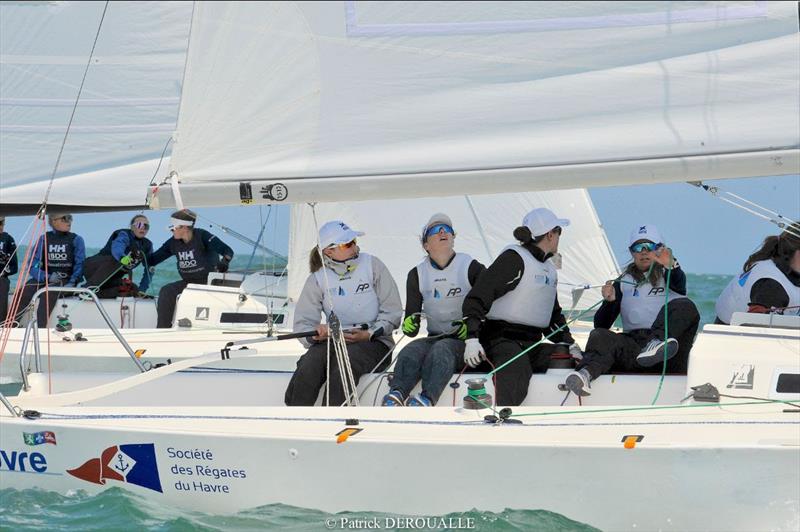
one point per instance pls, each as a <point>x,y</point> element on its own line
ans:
<point>314,260</point>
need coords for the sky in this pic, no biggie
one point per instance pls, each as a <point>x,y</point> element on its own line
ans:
<point>706,234</point>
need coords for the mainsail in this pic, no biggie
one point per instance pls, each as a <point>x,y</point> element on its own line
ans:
<point>334,101</point>
<point>126,113</point>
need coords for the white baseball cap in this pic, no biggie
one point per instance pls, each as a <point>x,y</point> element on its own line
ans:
<point>645,232</point>
<point>336,232</point>
<point>541,221</point>
<point>438,218</point>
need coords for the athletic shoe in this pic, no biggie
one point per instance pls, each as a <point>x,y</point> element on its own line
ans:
<point>578,382</point>
<point>419,400</point>
<point>393,398</point>
<point>653,352</point>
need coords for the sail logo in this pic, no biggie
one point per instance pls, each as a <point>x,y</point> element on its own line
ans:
<point>57,252</point>
<point>22,462</point>
<point>743,377</point>
<point>39,438</point>
<point>643,230</point>
<point>129,463</point>
<point>186,259</point>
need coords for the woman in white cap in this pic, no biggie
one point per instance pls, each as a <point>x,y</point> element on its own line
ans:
<point>198,253</point>
<point>514,304</point>
<point>770,279</point>
<point>358,289</point>
<point>436,288</point>
<point>8,267</point>
<point>60,265</point>
<point>639,296</point>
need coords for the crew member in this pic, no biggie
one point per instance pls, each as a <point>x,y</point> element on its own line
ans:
<point>639,297</point>
<point>359,290</point>
<point>436,288</point>
<point>198,253</point>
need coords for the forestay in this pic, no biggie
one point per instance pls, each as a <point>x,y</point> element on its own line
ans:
<point>328,101</point>
<point>484,226</point>
<point>127,110</point>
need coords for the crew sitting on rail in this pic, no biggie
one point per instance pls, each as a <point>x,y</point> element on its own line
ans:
<point>198,253</point>
<point>359,289</point>
<point>435,287</point>
<point>110,271</point>
<point>61,265</point>
<point>639,297</point>
<point>513,305</point>
<point>770,280</point>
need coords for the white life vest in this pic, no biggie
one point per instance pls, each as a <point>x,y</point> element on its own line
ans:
<point>531,302</point>
<point>352,295</point>
<point>443,291</point>
<point>736,295</point>
<point>641,304</point>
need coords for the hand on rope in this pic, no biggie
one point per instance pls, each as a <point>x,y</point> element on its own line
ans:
<point>223,265</point>
<point>54,279</point>
<point>575,351</point>
<point>461,329</point>
<point>608,292</point>
<point>473,353</point>
<point>411,325</point>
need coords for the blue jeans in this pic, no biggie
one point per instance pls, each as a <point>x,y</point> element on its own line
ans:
<point>432,359</point>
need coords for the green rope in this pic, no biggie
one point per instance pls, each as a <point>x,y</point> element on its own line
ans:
<point>476,393</point>
<point>524,351</point>
<point>666,336</point>
<point>649,408</point>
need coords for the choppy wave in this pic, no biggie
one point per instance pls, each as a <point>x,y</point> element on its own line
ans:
<point>117,509</point>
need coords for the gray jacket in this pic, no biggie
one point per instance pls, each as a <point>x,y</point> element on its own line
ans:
<point>308,309</point>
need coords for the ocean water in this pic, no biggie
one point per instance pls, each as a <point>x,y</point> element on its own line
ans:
<point>116,509</point>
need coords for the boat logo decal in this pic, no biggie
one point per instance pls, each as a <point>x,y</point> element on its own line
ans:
<point>201,313</point>
<point>276,192</point>
<point>128,463</point>
<point>743,377</point>
<point>22,462</point>
<point>38,438</point>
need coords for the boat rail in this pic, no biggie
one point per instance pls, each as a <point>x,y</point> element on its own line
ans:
<point>32,329</point>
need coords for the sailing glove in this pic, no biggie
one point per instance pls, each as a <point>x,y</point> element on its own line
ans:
<point>461,329</point>
<point>54,278</point>
<point>411,325</point>
<point>473,353</point>
<point>127,263</point>
<point>222,267</point>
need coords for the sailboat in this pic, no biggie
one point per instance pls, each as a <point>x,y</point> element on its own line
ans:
<point>353,101</point>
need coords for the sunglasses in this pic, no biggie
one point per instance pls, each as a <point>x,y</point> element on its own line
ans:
<point>643,246</point>
<point>67,218</point>
<point>557,229</point>
<point>141,225</point>
<point>435,229</point>
<point>347,245</point>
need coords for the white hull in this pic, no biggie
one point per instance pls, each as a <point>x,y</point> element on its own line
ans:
<point>691,471</point>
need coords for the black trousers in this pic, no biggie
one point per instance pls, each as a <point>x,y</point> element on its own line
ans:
<point>4,287</point>
<point>167,298</point>
<point>311,372</point>
<point>616,352</point>
<point>512,381</point>
<point>104,272</point>
<point>45,309</point>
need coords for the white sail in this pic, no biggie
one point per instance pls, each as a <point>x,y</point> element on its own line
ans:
<point>484,226</point>
<point>127,109</point>
<point>330,101</point>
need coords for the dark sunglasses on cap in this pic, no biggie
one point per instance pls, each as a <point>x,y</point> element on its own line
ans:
<point>346,245</point>
<point>141,225</point>
<point>643,246</point>
<point>435,229</point>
